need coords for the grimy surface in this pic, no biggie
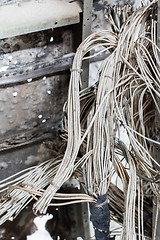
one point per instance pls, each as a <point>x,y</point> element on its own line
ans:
<point>31,111</point>
<point>31,106</point>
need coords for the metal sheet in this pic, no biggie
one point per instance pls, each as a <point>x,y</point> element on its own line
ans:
<point>33,16</point>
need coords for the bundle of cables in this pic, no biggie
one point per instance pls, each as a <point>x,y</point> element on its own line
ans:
<point>125,97</point>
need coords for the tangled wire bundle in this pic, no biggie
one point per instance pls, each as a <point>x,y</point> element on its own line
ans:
<point>125,97</point>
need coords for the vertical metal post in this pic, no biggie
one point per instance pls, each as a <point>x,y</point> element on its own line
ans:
<point>86,31</point>
<point>87,18</point>
<point>157,148</point>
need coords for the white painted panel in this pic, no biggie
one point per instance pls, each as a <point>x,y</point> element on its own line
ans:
<point>27,17</point>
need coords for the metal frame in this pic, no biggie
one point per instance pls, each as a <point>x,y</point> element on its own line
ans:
<point>87,21</point>
<point>87,18</point>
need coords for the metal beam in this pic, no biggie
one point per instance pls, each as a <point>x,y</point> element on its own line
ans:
<point>27,138</point>
<point>20,74</point>
<point>87,18</point>
<point>87,22</point>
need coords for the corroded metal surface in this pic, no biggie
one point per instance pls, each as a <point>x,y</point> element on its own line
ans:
<point>60,39</point>
<point>34,110</point>
<point>32,105</point>
<point>21,106</point>
<point>25,73</point>
<point>31,112</point>
<point>32,55</point>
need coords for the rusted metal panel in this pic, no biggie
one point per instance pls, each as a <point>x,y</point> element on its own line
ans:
<point>31,16</point>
